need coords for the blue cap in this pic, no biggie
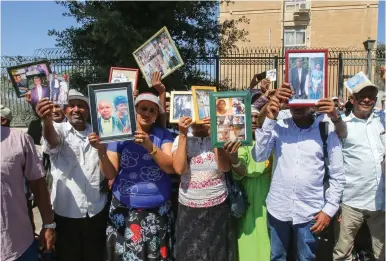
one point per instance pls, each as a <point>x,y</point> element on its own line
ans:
<point>120,99</point>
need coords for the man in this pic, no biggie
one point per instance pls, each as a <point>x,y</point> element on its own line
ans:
<point>38,91</point>
<point>78,204</point>
<point>298,78</point>
<point>108,124</point>
<point>122,112</point>
<point>19,161</point>
<point>296,204</point>
<point>55,87</point>
<point>363,196</point>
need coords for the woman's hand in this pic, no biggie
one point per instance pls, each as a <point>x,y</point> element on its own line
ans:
<point>143,139</point>
<point>156,82</point>
<point>184,124</point>
<point>206,122</point>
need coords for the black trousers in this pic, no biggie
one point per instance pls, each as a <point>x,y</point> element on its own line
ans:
<point>81,239</point>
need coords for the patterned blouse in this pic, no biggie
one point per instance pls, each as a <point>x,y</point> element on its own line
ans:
<point>203,185</point>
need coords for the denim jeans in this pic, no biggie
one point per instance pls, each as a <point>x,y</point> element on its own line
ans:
<point>31,254</point>
<point>282,232</point>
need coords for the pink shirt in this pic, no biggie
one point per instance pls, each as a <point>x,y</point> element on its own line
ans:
<point>18,160</point>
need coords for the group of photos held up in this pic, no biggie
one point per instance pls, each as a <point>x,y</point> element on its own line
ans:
<point>113,114</point>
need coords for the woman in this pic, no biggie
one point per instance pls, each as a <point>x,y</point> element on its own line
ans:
<point>253,239</point>
<point>203,226</point>
<point>315,90</point>
<point>140,219</point>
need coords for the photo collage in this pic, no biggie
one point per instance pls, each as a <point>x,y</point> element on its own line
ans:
<point>231,125</point>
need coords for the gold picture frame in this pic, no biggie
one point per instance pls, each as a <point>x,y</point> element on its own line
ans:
<point>201,112</point>
<point>180,105</point>
<point>159,53</point>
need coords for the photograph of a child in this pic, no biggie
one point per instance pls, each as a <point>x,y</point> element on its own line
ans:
<point>22,76</point>
<point>38,86</point>
<point>59,87</point>
<point>158,54</point>
<point>113,112</point>
<point>224,106</point>
<point>124,75</point>
<point>182,106</point>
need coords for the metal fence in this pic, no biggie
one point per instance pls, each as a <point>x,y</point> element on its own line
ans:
<point>234,70</point>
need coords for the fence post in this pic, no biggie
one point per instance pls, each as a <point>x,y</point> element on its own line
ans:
<point>369,65</point>
<point>276,61</point>
<point>217,64</point>
<point>341,78</point>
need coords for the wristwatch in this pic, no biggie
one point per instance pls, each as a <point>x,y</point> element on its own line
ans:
<point>51,226</point>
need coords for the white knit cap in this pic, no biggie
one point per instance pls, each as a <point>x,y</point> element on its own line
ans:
<point>5,112</point>
<point>254,110</point>
<point>149,97</point>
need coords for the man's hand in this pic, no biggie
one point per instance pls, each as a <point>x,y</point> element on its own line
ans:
<point>135,94</point>
<point>264,86</point>
<point>284,93</point>
<point>156,82</point>
<point>47,238</point>
<point>327,106</point>
<point>95,141</point>
<point>322,221</point>
<point>44,109</point>
<point>231,148</point>
<point>184,124</point>
<point>28,97</point>
<point>273,108</point>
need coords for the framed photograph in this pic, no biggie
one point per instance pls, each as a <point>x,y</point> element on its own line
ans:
<point>160,54</point>
<point>271,75</point>
<point>59,87</point>
<point>112,110</point>
<point>181,105</point>
<point>201,102</point>
<point>118,74</point>
<point>307,74</point>
<point>230,118</point>
<point>21,75</point>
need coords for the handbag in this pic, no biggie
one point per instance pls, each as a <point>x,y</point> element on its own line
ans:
<point>237,197</point>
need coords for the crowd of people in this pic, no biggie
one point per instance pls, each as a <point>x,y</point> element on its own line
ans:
<point>314,179</point>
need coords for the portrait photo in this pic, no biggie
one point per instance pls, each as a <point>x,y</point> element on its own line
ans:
<point>112,111</point>
<point>20,75</point>
<point>201,102</point>
<point>59,87</point>
<point>118,74</point>
<point>158,54</point>
<point>38,87</point>
<point>233,122</point>
<point>306,72</point>
<point>181,105</point>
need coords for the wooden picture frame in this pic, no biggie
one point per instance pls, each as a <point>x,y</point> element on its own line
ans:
<point>19,73</point>
<point>230,118</point>
<point>307,74</point>
<point>112,111</point>
<point>181,105</point>
<point>159,53</point>
<point>120,74</point>
<point>203,111</point>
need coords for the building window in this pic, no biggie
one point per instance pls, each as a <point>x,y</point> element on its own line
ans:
<point>294,37</point>
<point>296,5</point>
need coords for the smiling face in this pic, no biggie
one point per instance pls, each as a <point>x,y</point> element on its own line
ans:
<point>364,102</point>
<point>57,113</point>
<point>77,112</point>
<point>105,109</point>
<point>147,113</point>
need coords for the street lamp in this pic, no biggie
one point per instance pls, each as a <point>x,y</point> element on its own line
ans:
<point>369,45</point>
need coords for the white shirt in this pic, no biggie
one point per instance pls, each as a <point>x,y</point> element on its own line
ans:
<point>296,193</point>
<point>300,74</point>
<point>76,174</point>
<point>363,152</point>
<point>56,84</point>
<point>40,91</point>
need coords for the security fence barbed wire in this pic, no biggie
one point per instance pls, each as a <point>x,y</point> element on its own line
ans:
<point>231,70</point>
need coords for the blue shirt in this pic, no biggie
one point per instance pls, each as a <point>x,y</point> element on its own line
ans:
<point>140,182</point>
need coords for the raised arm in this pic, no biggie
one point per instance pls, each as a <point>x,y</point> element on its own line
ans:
<point>180,162</point>
<point>44,111</point>
<point>327,106</point>
<point>161,89</point>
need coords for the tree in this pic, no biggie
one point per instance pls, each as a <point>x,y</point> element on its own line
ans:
<point>109,32</point>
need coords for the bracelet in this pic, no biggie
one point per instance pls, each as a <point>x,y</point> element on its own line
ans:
<point>236,165</point>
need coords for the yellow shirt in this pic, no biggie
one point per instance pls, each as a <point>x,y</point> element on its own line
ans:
<point>107,126</point>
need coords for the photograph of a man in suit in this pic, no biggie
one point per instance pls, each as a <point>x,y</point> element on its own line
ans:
<point>107,123</point>
<point>298,78</point>
<point>39,91</point>
<point>55,87</point>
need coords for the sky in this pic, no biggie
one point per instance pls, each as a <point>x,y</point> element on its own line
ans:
<point>25,25</point>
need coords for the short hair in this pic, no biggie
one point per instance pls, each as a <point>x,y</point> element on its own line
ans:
<point>37,77</point>
<point>120,99</point>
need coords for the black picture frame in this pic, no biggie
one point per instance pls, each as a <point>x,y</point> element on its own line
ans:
<point>20,70</point>
<point>100,92</point>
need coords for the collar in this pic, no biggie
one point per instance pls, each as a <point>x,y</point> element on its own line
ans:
<point>317,120</point>
<point>69,127</point>
<point>355,118</point>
